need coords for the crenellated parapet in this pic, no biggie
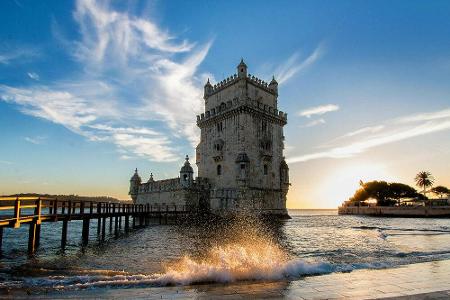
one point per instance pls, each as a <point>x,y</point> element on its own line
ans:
<point>236,105</point>
<point>229,81</point>
<point>262,84</point>
<point>164,185</point>
<point>169,185</point>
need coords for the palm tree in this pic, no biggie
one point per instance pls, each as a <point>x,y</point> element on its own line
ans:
<point>424,179</point>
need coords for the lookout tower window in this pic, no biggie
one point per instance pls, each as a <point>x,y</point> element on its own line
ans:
<point>242,70</point>
<point>185,177</point>
<point>265,170</point>
<point>219,170</point>
<point>242,166</point>
<point>264,126</point>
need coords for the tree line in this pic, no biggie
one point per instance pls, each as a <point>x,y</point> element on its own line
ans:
<point>391,193</point>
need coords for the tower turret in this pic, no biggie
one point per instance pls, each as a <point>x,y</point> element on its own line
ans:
<point>207,89</point>
<point>135,181</point>
<point>273,85</point>
<point>186,174</point>
<point>242,69</point>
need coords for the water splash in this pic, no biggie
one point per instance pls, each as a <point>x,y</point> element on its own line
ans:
<point>237,262</point>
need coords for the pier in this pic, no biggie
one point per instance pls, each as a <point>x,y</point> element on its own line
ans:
<point>33,211</point>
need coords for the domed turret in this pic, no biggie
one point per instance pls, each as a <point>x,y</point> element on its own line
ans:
<point>151,178</point>
<point>242,69</point>
<point>207,89</point>
<point>186,173</point>
<point>273,85</point>
<point>135,181</point>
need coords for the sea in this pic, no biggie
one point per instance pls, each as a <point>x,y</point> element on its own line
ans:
<point>311,243</point>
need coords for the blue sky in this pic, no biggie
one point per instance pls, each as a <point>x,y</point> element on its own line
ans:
<point>89,90</point>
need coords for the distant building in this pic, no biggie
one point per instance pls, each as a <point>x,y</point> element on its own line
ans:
<point>241,167</point>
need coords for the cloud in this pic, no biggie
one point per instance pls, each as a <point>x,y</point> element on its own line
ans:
<point>5,162</point>
<point>35,140</point>
<point>17,54</point>
<point>139,86</point>
<point>318,110</point>
<point>314,123</point>
<point>33,75</point>
<point>390,132</point>
<point>443,114</point>
<point>293,64</point>
<point>369,129</point>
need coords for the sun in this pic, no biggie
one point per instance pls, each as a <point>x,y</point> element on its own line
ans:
<point>342,183</point>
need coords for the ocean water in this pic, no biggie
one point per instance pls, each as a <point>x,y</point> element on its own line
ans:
<point>312,243</point>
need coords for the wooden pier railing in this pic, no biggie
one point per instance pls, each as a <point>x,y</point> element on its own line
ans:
<point>32,211</point>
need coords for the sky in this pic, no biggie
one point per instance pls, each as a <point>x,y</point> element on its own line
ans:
<point>90,90</point>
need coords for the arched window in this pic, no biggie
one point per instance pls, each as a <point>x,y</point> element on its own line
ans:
<point>265,170</point>
<point>185,177</point>
<point>219,170</point>
<point>219,127</point>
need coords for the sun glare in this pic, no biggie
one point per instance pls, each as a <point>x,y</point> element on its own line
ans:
<point>341,184</point>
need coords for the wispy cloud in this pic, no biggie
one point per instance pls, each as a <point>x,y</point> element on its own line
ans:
<point>139,87</point>
<point>295,64</point>
<point>17,54</point>
<point>35,140</point>
<point>389,132</point>
<point>315,123</point>
<point>33,75</point>
<point>5,162</point>
<point>318,110</point>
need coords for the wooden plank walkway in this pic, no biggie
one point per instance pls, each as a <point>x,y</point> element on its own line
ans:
<point>32,211</point>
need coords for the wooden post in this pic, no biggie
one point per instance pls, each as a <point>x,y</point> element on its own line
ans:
<point>85,232</point>
<point>120,216</point>
<point>17,213</point>
<point>110,218</point>
<point>69,208</point>
<point>55,207</point>
<point>116,225</point>
<point>32,238</point>
<point>103,228</point>
<point>64,234</point>
<point>1,239</point>
<point>127,224</point>
<point>38,210</point>
<point>38,235</point>
<point>99,220</point>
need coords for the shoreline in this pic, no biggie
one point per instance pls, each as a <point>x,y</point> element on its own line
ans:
<point>389,283</point>
<point>397,211</point>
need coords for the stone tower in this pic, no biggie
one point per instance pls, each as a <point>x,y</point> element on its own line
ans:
<point>135,181</point>
<point>241,145</point>
<point>186,174</point>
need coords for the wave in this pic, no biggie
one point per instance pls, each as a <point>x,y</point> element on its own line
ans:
<point>200,274</point>
<point>222,264</point>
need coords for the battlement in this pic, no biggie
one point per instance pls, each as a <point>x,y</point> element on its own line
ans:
<point>236,103</point>
<point>171,184</point>
<point>262,84</point>
<point>235,78</point>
